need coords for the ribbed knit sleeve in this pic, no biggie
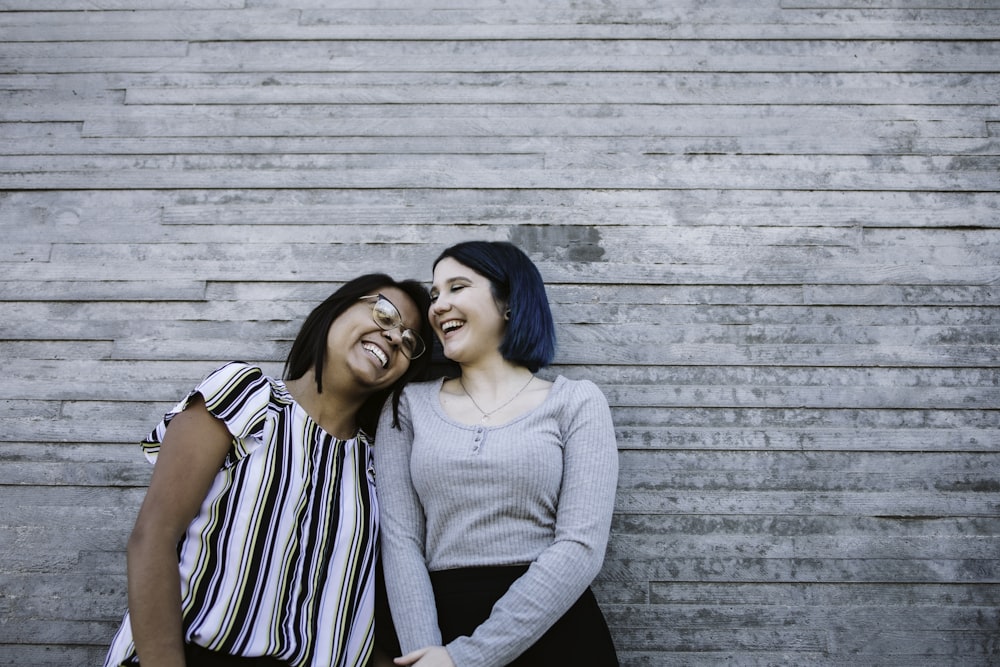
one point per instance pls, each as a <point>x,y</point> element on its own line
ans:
<point>538,490</point>
<point>402,532</point>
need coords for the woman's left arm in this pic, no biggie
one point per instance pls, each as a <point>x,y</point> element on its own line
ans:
<point>564,570</point>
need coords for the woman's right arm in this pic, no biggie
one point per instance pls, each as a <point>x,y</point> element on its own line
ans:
<point>402,529</point>
<point>193,450</point>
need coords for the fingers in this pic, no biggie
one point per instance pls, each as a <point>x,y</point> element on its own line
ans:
<point>429,656</point>
<point>411,657</point>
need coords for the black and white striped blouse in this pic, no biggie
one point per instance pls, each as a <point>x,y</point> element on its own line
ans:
<point>280,559</point>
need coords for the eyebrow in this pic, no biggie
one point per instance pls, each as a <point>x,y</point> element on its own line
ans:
<point>452,280</point>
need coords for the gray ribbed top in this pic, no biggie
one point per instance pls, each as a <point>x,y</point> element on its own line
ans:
<point>539,489</point>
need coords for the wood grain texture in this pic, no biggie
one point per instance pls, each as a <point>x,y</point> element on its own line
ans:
<point>770,233</point>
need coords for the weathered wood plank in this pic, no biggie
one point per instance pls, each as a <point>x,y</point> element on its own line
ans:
<point>789,526</point>
<point>176,100</point>
<point>823,594</point>
<point>778,89</point>
<point>681,618</point>
<point>971,55</point>
<point>736,569</point>
<point>663,179</point>
<point>485,56</point>
<point>796,503</point>
<point>112,5</point>
<point>680,628</point>
<point>64,350</point>
<point>765,658</point>
<point>621,21</point>
<point>210,121</point>
<point>32,106</point>
<point>121,290</point>
<point>13,50</point>
<point>820,472</point>
<point>47,655</point>
<point>907,88</point>
<point>79,595</point>
<point>609,208</point>
<point>527,216</point>
<point>808,439</point>
<point>60,633</point>
<point>330,266</point>
<point>790,418</point>
<point>703,246</point>
<point>888,4</point>
<point>304,165</point>
<point>42,143</point>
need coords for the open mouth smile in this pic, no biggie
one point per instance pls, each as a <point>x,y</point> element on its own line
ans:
<point>377,352</point>
<point>451,325</point>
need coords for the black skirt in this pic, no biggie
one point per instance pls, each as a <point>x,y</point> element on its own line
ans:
<point>465,598</point>
<point>198,656</point>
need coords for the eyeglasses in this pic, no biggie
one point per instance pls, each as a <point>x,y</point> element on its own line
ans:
<point>387,317</point>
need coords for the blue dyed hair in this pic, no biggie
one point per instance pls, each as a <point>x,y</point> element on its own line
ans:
<point>530,336</point>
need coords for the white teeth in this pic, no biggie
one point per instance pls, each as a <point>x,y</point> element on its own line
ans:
<point>377,351</point>
<point>451,324</point>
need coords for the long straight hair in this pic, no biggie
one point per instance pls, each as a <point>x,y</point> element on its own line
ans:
<point>308,350</point>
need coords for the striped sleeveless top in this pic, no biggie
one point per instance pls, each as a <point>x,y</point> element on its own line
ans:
<point>280,559</point>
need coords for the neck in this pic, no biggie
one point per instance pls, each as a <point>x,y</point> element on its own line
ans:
<point>335,410</point>
<point>494,380</point>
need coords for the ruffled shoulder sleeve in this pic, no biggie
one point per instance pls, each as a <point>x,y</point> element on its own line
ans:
<point>239,395</point>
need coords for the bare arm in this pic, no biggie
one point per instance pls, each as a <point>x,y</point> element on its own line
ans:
<point>193,450</point>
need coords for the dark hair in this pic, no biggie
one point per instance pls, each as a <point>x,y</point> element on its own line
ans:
<point>309,348</point>
<point>530,336</point>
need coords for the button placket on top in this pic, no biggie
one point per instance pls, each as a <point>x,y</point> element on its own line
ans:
<point>477,439</point>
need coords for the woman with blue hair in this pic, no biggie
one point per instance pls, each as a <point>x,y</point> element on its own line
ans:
<point>496,493</point>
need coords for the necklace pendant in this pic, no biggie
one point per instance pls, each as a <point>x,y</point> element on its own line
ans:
<point>486,415</point>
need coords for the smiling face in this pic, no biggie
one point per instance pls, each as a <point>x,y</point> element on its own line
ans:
<point>465,316</point>
<point>357,344</point>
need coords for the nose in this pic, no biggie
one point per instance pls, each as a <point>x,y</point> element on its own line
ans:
<point>439,305</point>
<point>394,335</point>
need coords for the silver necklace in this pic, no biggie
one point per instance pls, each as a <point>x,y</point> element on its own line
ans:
<point>486,415</point>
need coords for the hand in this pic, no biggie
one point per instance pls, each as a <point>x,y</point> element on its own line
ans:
<point>429,656</point>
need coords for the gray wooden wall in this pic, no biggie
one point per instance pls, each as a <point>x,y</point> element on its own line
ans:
<point>769,229</point>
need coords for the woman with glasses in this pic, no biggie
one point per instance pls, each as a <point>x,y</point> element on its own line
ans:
<point>256,541</point>
<point>497,491</point>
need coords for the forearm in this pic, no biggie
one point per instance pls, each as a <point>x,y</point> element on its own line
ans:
<point>402,536</point>
<point>530,607</point>
<point>411,599</point>
<point>154,602</point>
